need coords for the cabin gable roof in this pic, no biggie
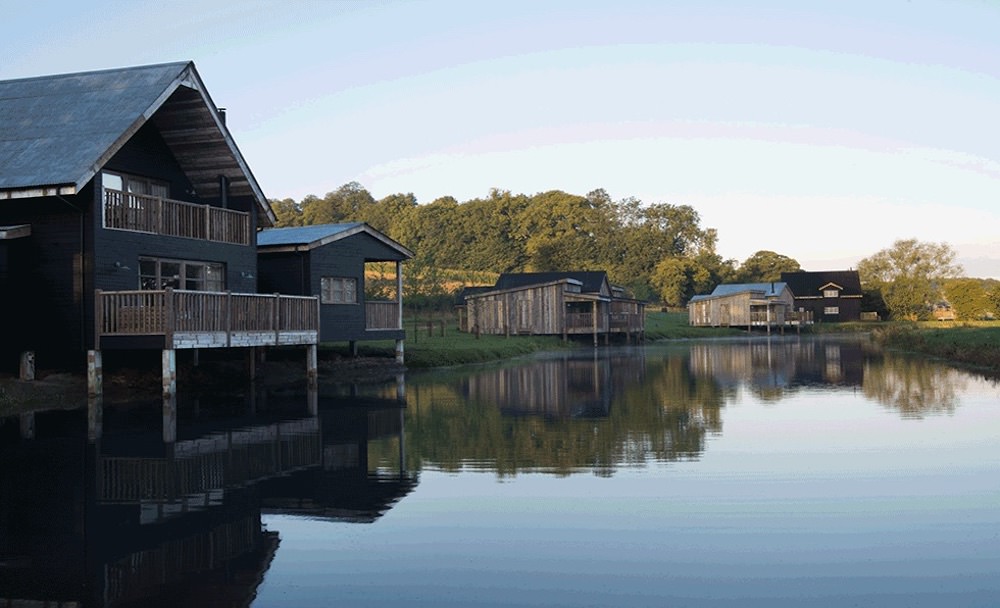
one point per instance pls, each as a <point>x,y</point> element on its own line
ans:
<point>306,238</point>
<point>806,284</point>
<point>591,281</point>
<point>59,131</point>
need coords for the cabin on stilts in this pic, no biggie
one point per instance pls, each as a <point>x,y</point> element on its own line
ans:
<point>553,303</point>
<point>748,305</point>
<point>131,220</point>
<point>330,261</point>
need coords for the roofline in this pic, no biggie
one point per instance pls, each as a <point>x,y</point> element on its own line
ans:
<point>343,234</point>
<point>14,232</point>
<point>187,76</point>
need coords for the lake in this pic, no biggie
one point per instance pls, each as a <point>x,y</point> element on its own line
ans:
<point>746,472</point>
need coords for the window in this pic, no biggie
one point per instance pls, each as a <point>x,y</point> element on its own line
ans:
<point>831,293</point>
<point>156,273</point>
<point>831,310</point>
<point>338,290</point>
<point>135,185</point>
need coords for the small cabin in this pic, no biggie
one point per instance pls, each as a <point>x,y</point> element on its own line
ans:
<point>553,303</point>
<point>745,305</point>
<point>329,261</point>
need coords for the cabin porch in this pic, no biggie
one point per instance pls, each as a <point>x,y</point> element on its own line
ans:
<point>172,319</point>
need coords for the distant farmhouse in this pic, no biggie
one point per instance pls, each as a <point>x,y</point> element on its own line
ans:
<point>832,295</point>
<point>552,303</point>
<point>766,305</point>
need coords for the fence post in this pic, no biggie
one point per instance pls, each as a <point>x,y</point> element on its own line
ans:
<point>227,318</point>
<point>277,318</point>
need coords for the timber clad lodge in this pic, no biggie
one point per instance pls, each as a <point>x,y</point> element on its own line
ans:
<point>129,219</point>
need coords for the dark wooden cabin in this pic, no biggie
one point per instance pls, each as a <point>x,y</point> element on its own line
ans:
<point>140,214</point>
<point>328,261</point>
<point>831,295</point>
<point>553,303</point>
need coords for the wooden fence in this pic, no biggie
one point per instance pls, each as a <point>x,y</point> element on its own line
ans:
<point>142,213</point>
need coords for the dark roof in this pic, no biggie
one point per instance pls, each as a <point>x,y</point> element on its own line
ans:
<point>808,284</point>
<point>592,280</point>
<point>57,132</point>
<point>309,237</point>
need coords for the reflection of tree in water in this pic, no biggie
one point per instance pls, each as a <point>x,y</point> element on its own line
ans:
<point>596,414</point>
<point>916,387</point>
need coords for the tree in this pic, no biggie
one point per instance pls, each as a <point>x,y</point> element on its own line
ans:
<point>287,212</point>
<point>968,299</point>
<point>909,276</point>
<point>765,266</point>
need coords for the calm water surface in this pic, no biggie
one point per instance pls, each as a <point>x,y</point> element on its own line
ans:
<point>781,472</point>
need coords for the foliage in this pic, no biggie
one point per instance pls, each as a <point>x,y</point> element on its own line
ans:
<point>978,346</point>
<point>909,275</point>
<point>765,266</point>
<point>968,299</point>
<point>655,250</point>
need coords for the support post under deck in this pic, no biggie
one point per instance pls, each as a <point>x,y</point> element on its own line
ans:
<point>95,374</point>
<point>169,364</point>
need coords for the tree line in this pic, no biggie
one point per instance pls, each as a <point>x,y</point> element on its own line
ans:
<point>660,252</point>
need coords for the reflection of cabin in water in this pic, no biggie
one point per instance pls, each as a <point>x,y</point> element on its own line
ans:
<point>552,303</point>
<point>780,363</point>
<point>747,305</point>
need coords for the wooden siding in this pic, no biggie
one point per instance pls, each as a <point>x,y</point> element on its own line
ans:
<point>744,309</point>
<point>549,309</point>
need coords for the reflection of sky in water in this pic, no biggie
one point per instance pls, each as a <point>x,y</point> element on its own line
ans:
<point>825,497</point>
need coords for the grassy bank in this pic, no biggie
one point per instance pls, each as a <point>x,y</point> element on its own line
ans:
<point>970,344</point>
<point>427,346</point>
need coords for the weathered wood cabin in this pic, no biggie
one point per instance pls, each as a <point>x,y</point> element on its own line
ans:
<point>831,295</point>
<point>134,215</point>
<point>328,261</point>
<point>747,305</point>
<point>553,303</point>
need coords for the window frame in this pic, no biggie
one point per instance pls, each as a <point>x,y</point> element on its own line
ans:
<point>181,280</point>
<point>338,290</point>
<point>831,310</point>
<point>831,293</point>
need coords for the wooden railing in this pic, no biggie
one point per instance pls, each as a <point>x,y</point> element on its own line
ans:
<point>141,313</point>
<point>382,315</point>
<point>142,213</point>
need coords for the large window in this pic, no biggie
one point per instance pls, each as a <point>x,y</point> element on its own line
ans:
<point>157,273</point>
<point>338,290</point>
<point>831,310</point>
<point>135,185</point>
<point>831,293</point>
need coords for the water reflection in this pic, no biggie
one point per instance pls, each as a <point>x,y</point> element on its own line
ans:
<point>604,409</point>
<point>97,510</point>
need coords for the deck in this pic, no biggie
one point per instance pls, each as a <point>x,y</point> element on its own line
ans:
<point>180,319</point>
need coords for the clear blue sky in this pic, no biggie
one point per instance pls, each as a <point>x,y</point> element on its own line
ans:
<point>821,130</point>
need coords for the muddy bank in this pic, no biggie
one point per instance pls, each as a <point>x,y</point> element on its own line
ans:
<point>122,382</point>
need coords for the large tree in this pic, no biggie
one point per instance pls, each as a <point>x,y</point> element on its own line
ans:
<point>765,266</point>
<point>909,276</point>
<point>968,298</point>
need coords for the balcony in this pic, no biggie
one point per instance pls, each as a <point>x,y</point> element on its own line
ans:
<point>177,319</point>
<point>382,315</point>
<point>167,217</point>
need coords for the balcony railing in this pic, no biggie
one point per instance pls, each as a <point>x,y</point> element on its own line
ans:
<point>155,215</point>
<point>382,315</point>
<point>206,319</point>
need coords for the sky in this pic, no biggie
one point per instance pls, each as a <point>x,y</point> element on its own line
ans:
<point>821,130</point>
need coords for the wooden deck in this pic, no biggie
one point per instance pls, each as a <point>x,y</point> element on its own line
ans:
<point>155,215</point>
<point>178,319</point>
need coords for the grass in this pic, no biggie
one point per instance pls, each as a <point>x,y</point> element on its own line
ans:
<point>976,343</point>
<point>429,348</point>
